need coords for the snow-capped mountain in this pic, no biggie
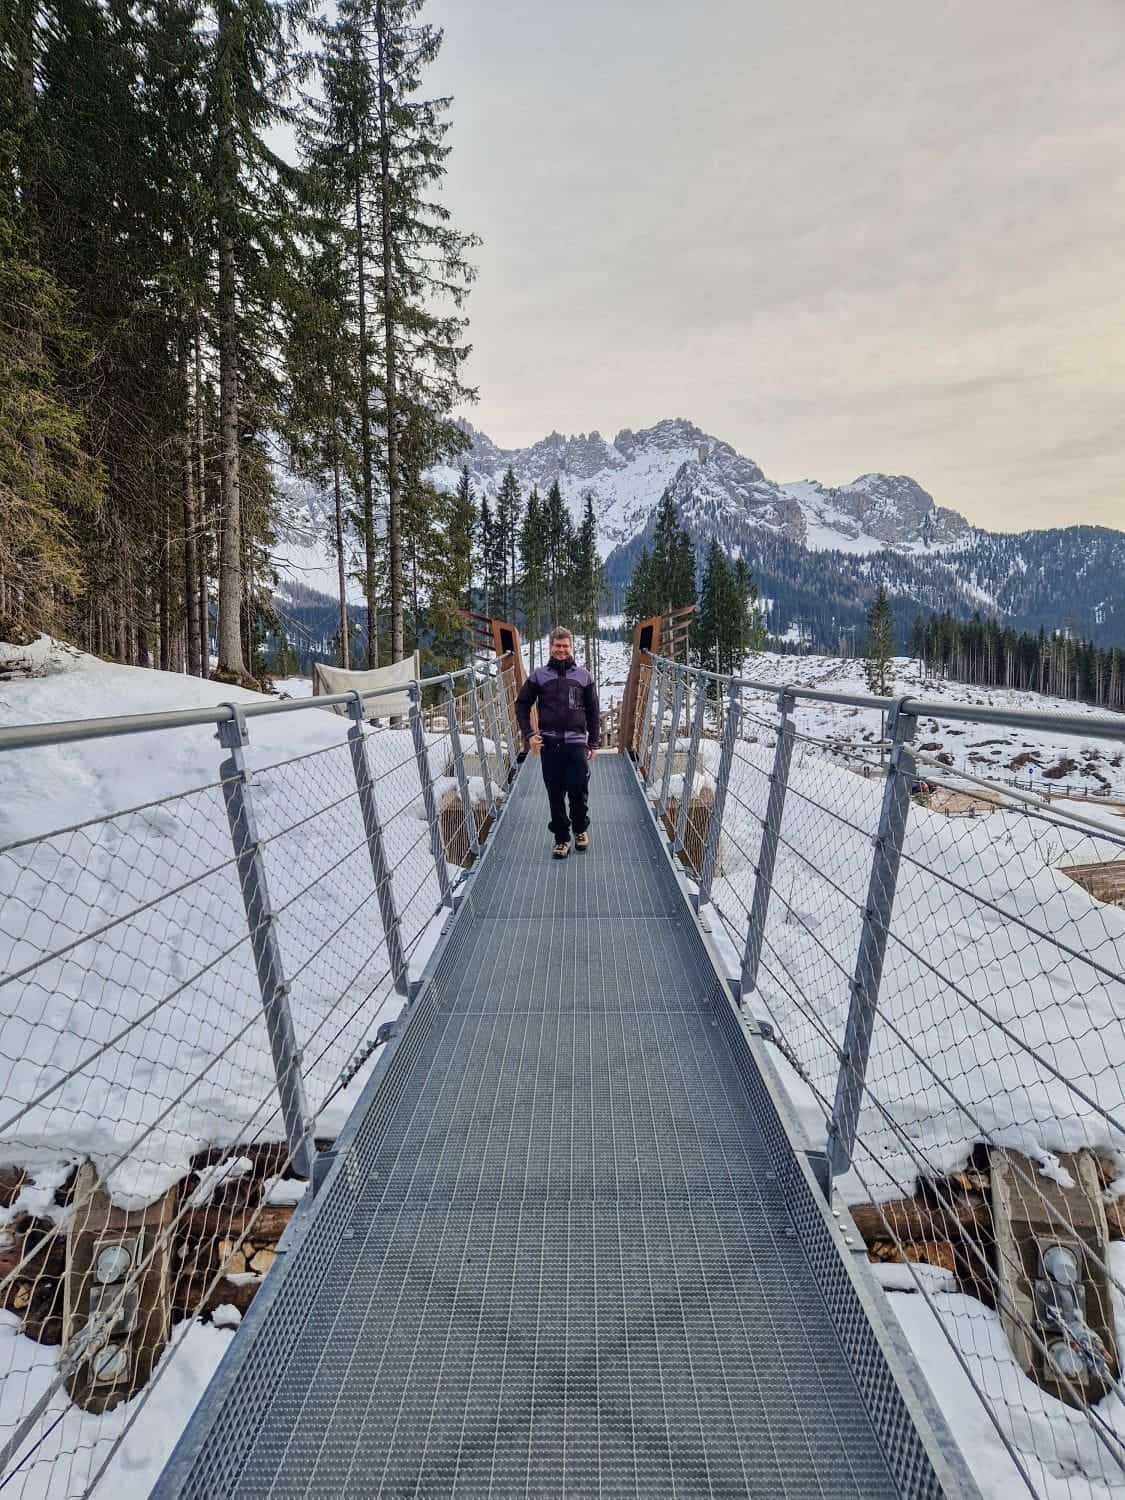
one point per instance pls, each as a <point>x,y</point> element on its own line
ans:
<point>715,486</point>
<point>817,551</point>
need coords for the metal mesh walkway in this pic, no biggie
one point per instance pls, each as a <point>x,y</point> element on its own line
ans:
<point>562,1253</point>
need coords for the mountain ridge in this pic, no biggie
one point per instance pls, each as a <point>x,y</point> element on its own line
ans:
<point>818,552</point>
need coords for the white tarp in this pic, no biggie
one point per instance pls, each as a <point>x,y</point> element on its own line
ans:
<point>330,680</point>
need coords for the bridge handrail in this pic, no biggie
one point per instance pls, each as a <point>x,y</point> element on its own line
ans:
<point>948,992</point>
<point>1014,718</point>
<point>190,986</point>
<point>69,731</point>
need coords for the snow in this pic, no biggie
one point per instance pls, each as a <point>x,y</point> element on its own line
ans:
<point>1000,933</point>
<point>65,887</point>
<point>178,979</point>
<point>981,749</point>
<point>70,1455</point>
<point>157,1011</point>
<point>1056,1444</point>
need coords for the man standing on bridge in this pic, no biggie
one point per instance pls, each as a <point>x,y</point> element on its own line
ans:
<point>567,738</point>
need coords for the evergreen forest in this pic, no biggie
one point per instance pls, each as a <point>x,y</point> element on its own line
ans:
<point>223,254</point>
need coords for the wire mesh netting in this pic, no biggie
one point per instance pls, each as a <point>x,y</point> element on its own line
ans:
<point>151,960</point>
<point>987,944</point>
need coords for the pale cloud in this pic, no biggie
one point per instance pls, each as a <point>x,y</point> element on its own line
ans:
<point>885,235</point>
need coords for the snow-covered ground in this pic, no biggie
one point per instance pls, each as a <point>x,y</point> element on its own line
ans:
<point>1077,762</point>
<point>1001,1008</point>
<point>131,1030</point>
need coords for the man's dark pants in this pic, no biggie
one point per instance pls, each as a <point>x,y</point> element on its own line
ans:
<point>566,774</point>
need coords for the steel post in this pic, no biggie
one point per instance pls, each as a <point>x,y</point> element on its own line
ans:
<point>426,779</point>
<point>504,710</point>
<point>657,725</point>
<point>491,722</point>
<point>640,741</point>
<point>478,736</point>
<point>670,757</point>
<point>722,781</point>
<point>767,854</point>
<point>272,984</point>
<point>692,762</point>
<point>380,868</point>
<point>872,942</point>
<point>459,768</point>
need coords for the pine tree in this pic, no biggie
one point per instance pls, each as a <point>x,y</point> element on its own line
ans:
<point>424,265</point>
<point>559,529</point>
<point>487,555</point>
<point>321,362</point>
<point>254,217</point>
<point>49,483</point>
<point>533,577</point>
<point>507,521</point>
<point>880,645</point>
<point>640,592</point>
<point>462,529</point>
<point>721,620</point>
<point>752,632</point>
<point>587,580</point>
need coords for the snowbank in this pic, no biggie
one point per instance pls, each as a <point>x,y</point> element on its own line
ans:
<point>139,898</point>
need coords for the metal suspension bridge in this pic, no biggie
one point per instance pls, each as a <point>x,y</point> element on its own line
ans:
<point>571,1235</point>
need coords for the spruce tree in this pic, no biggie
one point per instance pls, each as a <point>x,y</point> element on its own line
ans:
<point>486,553</point>
<point>424,264</point>
<point>321,398</point>
<point>533,576</point>
<point>752,632</point>
<point>462,529</point>
<point>559,528</point>
<point>508,507</point>
<point>640,592</point>
<point>880,645</point>
<point>587,580</point>
<point>50,486</point>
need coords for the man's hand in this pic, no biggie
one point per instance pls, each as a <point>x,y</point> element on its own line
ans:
<point>536,743</point>
<point>591,751</point>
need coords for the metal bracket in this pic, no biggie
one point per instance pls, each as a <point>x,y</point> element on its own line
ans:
<point>234,732</point>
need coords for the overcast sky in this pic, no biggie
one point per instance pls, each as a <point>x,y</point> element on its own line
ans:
<point>843,235</point>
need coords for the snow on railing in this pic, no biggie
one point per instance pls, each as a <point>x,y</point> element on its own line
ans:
<point>948,1005</point>
<point>192,989</point>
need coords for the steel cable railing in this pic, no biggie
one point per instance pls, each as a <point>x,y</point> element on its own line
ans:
<point>947,996</point>
<point>191,991</point>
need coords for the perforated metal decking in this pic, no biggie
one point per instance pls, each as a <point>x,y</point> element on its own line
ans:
<point>567,1249</point>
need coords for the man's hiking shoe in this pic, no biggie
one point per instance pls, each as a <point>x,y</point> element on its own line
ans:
<point>560,851</point>
<point>582,841</point>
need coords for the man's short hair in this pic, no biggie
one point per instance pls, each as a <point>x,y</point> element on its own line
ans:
<point>561,633</point>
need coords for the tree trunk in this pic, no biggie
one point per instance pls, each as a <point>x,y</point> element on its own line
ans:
<point>230,539</point>
<point>166,593</point>
<point>390,374</point>
<point>230,536</point>
<point>201,509</point>
<point>345,658</point>
<point>187,498</point>
<point>365,428</point>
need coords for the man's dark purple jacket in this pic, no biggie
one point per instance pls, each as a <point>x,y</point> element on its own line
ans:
<point>568,704</point>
